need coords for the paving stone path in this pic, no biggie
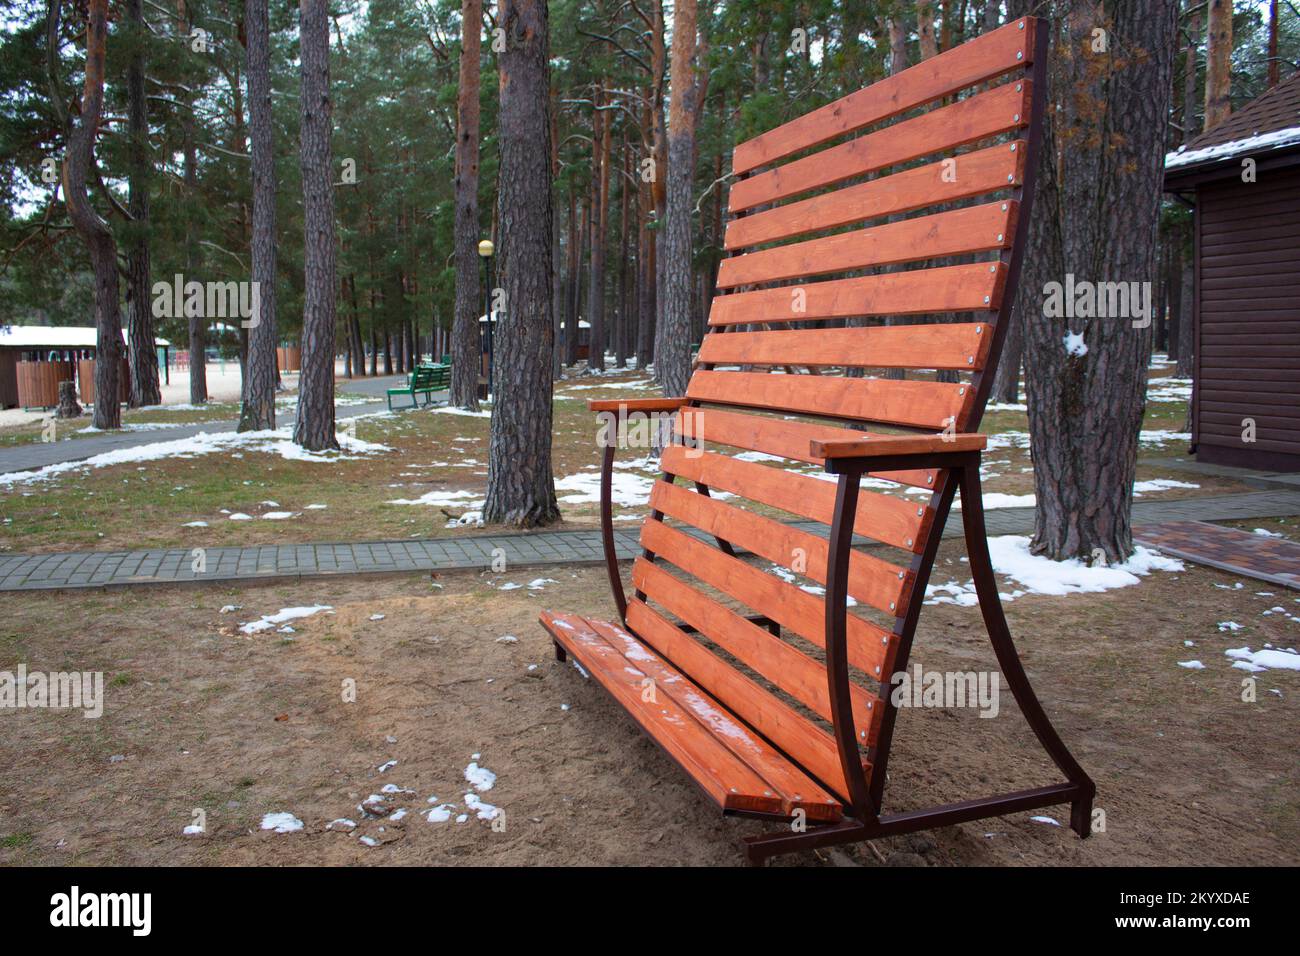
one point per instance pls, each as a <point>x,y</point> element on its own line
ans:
<point>80,569</point>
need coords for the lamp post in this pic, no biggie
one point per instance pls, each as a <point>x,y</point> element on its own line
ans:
<point>485,250</point>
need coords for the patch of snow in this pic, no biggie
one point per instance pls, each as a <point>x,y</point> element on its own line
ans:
<point>281,823</point>
<point>1254,661</point>
<point>480,778</point>
<point>1192,665</point>
<point>271,441</point>
<point>284,614</point>
<point>440,813</point>
<point>627,490</point>
<point>1041,575</point>
<point>1074,344</point>
<point>1159,484</point>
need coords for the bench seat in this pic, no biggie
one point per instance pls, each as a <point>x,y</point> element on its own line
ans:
<point>734,766</point>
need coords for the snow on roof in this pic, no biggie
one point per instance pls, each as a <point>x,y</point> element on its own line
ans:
<point>1251,144</point>
<point>54,337</point>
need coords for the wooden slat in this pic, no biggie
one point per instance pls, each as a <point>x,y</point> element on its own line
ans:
<point>786,439</point>
<point>791,607</point>
<point>775,720</point>
<point>872,581</point>
<point>914,404</point>
<point>983,58</point>
<point>957,346</point>
<point>726,778</point>
<point>986,114</point>
<point>796,790</point>
<point>959,177</point>
<point>792,671</point>
<point>958,231</point>
<point>894,521</point>
<point>964,288</point>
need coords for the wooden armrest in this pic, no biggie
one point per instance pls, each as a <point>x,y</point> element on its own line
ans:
<point>897,445</point>
<point>635,404</point>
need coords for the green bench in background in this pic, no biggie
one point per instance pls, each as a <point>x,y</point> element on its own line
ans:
<point>425,380</point>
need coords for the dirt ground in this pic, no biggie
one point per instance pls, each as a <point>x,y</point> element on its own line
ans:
<point>200,716</point>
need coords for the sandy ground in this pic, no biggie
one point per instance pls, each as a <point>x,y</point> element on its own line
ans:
<point>202,717</point>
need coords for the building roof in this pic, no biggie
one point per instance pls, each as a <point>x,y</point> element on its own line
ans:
<point>1268,122</point>
<point>54,337</point>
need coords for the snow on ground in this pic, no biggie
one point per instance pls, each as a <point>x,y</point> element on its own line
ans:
<point>284,614</point>
<point>281,823</point>
<point>469,499</point>
<point>480,778</point>
<point>625,489</point>
<point>272,441</point>
<point>1159,484</point>
<point>1039,575</point>
<point>1158,438</point>
<point>1170,390</point>
<point>1253,661</point>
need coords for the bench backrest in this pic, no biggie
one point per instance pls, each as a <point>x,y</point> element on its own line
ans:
<point>933,161</point>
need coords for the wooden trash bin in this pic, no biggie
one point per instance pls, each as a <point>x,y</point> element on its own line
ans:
<point>86,382</point>
<point>38,383</point>
<point>289,358</point>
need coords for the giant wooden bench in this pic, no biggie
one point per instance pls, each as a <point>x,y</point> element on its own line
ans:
<point>773,698</point>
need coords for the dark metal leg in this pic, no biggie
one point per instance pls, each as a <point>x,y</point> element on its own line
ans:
<point>607,527</point>
<point>981,567</point>
<point>560,654</point>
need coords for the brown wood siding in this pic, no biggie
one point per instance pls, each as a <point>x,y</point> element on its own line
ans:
<point>1248,295</point>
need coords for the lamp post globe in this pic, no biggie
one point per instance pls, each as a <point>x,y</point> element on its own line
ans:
<point>486,248</point>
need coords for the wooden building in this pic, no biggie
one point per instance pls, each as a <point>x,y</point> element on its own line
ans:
<point>1242,178</point>
<point>24,348</point>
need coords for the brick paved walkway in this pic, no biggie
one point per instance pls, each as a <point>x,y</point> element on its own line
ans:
<point>1264,558</point>
<point>21,572</point>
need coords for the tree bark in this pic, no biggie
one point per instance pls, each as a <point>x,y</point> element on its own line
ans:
<point>78,168</point>
<point>673,360</point>
<point>465,332</point>
<point>601,126</point>
<point>143,351</point>
<point>314,428</point>
<point>258,410</point>
<point>1095,217</point>
<point>521,488</point>
<point>925,29</point>
<point>197,322</point>
<point>1218,63</point>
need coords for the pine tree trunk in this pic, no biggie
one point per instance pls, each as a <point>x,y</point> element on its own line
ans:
<point>465,332</point>
<point>1218,63</point>
<point>314,428</point>
<point>521,488</point>
<point>94,231</point>
<point>143,350</point>
<point>673,361</point>
<point>258,411</point>
<point>1096,216</point>
<point>572,333</point>
<point>197,324</point>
